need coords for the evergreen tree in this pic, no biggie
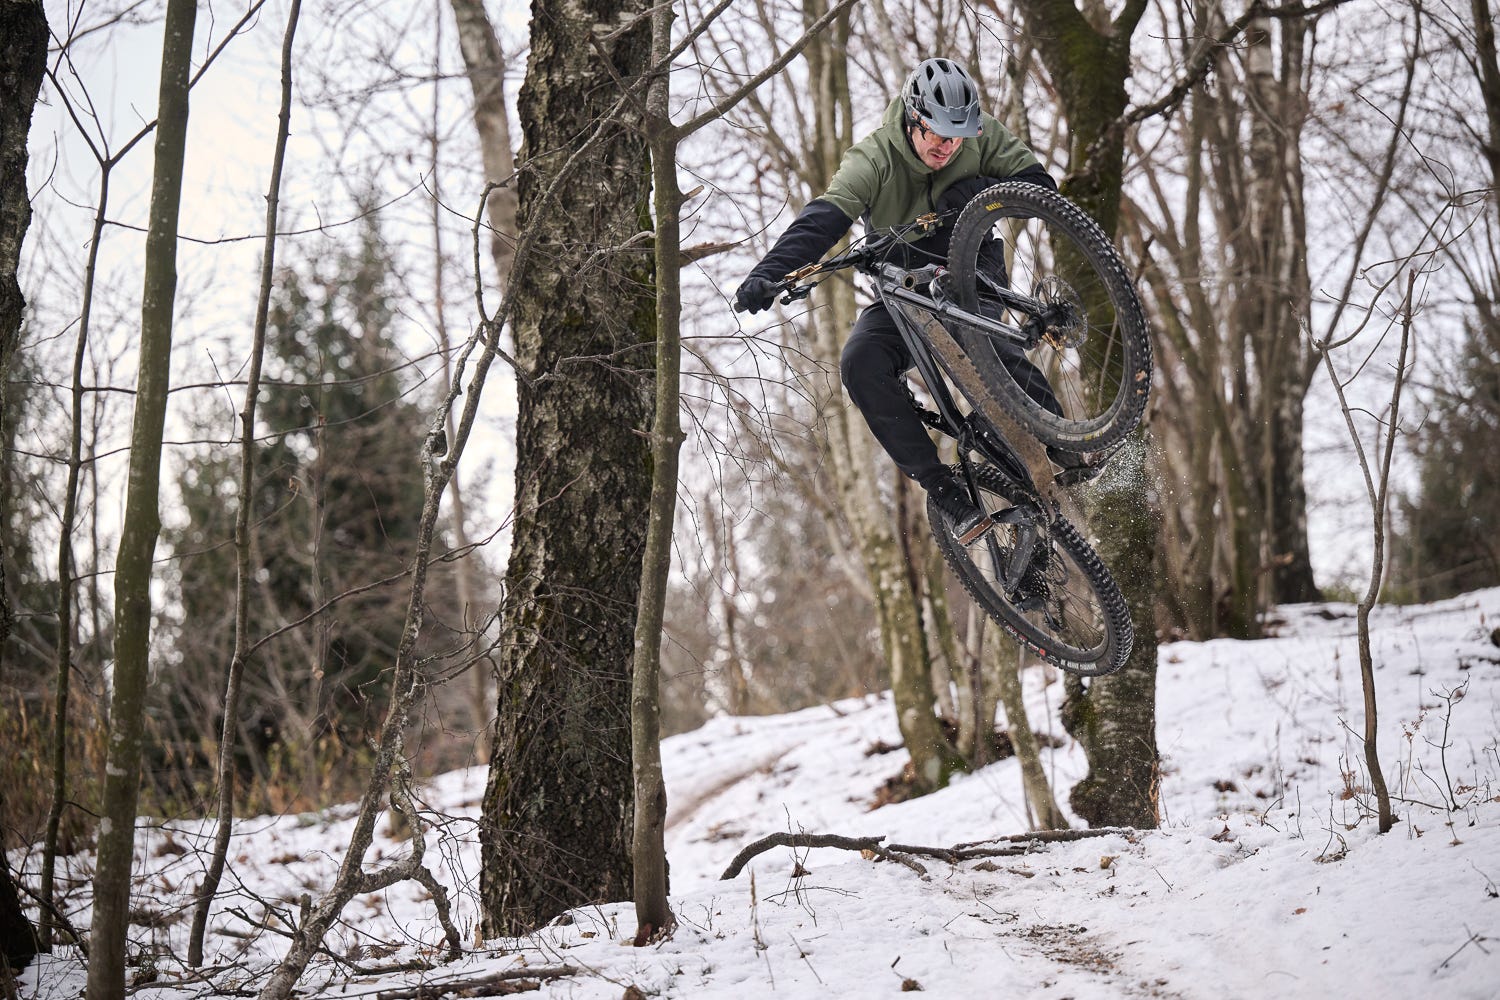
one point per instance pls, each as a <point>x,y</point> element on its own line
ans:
<point>337,497</point>
<point>1446,544</point>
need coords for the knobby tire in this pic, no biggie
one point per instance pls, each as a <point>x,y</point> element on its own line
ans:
<point>1095,351</point>
<point>1082,625</point>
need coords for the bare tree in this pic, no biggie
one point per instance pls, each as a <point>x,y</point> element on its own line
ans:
<point>1087,56</point>
<point>243,583</point>
<point>1224,258</point>
<point>66,659</point>
<point>653,914</point>
<point>111,917</point>
<point>1377,475</point>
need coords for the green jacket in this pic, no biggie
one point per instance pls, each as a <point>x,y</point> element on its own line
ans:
<point>881,180</point>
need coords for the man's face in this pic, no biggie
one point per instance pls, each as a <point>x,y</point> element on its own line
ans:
<point>931,148</point>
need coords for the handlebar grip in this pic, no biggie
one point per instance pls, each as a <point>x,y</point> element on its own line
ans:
<point>775,290</point>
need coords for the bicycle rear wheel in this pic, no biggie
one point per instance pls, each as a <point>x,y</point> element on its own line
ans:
<point>1061,283</point>
<point>1065,607</point>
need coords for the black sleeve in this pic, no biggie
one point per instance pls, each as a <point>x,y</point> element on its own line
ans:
<point>812,234</point>
<point>959,193</point>
<point>1035,175</point>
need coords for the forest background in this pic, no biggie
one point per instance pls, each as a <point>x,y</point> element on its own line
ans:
<point>1290,176</point>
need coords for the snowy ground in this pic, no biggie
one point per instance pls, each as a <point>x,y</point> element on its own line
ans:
<point>1267,879</point>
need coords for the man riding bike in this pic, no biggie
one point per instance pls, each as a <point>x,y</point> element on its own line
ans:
<point>934,150</point>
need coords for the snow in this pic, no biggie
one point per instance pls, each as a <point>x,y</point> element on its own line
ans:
<point>1267,879</point>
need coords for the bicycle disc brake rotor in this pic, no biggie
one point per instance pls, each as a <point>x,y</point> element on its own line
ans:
<point>1062,312</point>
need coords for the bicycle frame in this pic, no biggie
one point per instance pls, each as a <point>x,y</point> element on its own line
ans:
<point>1025,512</point>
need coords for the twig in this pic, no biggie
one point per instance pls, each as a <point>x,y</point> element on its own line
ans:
<point>1473,939</point>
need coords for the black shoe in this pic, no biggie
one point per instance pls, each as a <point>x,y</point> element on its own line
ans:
<point>967,522</point>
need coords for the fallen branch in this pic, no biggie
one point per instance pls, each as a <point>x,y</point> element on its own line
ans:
<point>469,987</point>
<point>901,853</point>
<point>871,844</point>
<point>954,855</point>
<point>1053,836</point>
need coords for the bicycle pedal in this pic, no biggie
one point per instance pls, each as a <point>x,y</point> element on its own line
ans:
<point>977,531</point>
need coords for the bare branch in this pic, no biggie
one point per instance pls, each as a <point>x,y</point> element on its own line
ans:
<point>734,97</point>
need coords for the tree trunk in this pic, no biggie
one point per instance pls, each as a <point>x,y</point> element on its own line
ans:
<point>1007,660</point>
<point>1287,311</point>
<point>1113,717</point>
<point>111,918</point>
<point>557,809</point>
<point>23,53</point>
<point>486,72</point>
<point>653,913</point>
<point>18,940</point>
<point>485,65</point>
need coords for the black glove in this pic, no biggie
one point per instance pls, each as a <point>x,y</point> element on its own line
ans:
<point>960,193</point>
<point>754,294</point>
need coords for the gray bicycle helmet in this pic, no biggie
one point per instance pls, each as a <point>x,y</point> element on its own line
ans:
<point>941,95</point>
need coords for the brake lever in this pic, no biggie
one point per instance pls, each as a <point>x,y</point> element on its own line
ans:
<point>795,293</point>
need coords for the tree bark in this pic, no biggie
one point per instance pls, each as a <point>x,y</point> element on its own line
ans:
<point>1114,717</point>
<point>111,918</point>
<point>557,811</point>
<point>23,53</point>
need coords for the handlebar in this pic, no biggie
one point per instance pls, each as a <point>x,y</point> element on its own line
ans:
<point>868,255</point>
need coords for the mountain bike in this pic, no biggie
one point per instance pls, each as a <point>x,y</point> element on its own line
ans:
<point>1027,268</point>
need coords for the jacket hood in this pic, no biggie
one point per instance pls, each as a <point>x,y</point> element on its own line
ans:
<point>895,134</point>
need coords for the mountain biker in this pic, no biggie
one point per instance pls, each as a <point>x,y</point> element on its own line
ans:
<point>934,150</point>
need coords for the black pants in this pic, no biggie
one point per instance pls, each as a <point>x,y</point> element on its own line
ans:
<point>873,367</point>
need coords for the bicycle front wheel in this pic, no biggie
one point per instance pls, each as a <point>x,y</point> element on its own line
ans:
<point>1029,258</point>
<point>1063,605</point>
